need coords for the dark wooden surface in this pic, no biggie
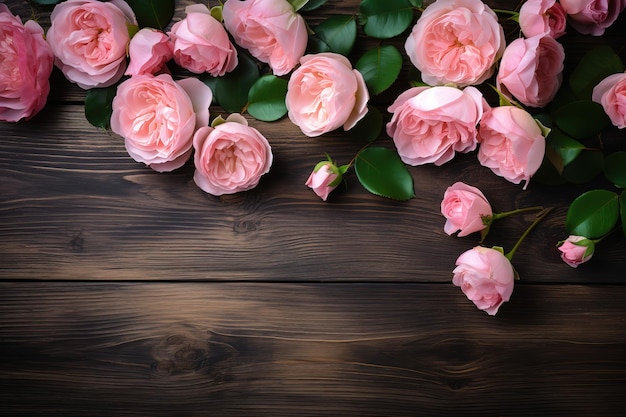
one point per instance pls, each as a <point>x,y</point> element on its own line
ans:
<point>128,292</point>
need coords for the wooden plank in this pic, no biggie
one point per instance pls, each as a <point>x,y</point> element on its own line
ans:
<point>318,349</point>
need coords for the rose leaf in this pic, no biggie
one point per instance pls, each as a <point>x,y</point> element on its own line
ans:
<point>266,98</point>
<point>382,172</point>
<point>380,67</point>
<point>152,13</point>
<point>593,214</point>
<point>385,19</point>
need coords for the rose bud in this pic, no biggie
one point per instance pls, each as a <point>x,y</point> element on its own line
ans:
<point>576,250</point>
<point>325,177</point>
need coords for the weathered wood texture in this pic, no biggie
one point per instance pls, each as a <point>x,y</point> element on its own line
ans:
<point>271,302</point>
<point>317,349</point>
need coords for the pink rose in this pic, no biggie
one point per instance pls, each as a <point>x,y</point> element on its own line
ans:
<point>486,277</point>
<point>231,157</point>
<point>324,179</point>
<point>532,70</point>
<point>157,118</point>
<point>542,17</point>
<point>464,208</point>
<point>456,41</point>
<point>26,63</point>
<point>576,250</point>
<point>611,94</point>
<point>270,29</point>
<point>325,93</point>
<point>201,43</point>
<point>89,40</point>
<point>511,143</point>
<point>149,50</point>
<point>592,16</point>
<point>430,123</point>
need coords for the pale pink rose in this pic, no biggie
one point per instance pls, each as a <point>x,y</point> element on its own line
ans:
<point>576,250</point>
<point>464,208</point>
<point>456,41</point>
<point>201,43</point>
<point>511,143</point>
<point>592,17</point>
<point>89,40</point>
<point>26,63</point>
<point>542,17</point>
<point>531,70</point>
<point>158,116</point>
<point>149,50</point>
<point>270,30</point>
<point>486,277</point>
<point>324,179</point>
<point>325,93</point>
<point>430,124</point>
<point>611,94</point>
<point>231,157</point>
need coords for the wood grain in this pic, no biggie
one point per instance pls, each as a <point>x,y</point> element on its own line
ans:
<point>317,349</point>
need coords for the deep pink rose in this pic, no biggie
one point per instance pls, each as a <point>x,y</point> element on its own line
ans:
<point>324,179</point>
<point>201,43</point>
<point>26,62</point>
<point>325,93</point>
<point>542,17</point>
<point>486,277</point>
<point>149,50</point>
<point>592,16</point>
<point>231,157</point>
<point>456,41</point>
<point>511,143</point>
<point>531,70</point>
<point>158,116</point>
<point>89,40</point>
<point>270,30</point>
<point>576,250</point>
<point>611,94</point>
<point>430,124</point>
<point>464,208</point>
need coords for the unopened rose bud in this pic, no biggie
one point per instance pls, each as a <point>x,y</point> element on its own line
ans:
<point>325,177</point>
<point>576,250</point>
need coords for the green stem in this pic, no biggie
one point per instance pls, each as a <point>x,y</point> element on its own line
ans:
<point>497,216</point>
<point>502,11</point>
<point>539,217</point>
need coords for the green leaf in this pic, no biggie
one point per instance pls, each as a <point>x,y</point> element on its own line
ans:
<point>381,172</point>
<point>47,2</point>
<point>386,19</point>
<point>338,32</point>
<point>547,173</point>
<point>597,64</point>
<point>298,4</point>
<point>312,5</point>
<point>581,119</point>
<point>369,127</point>
<point>155,14</point>
<point>588,165</point>
<point>622,210</point>
<point>593,214</point>
<point>380,67</point>
<point>417,3</point>
<point>615,168</point>
<point>562,149</point>
<point>266,98</point>
<point>98,106</point>
<point>231,90</point>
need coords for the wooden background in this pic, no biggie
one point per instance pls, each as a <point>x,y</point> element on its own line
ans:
<point>128,292</point>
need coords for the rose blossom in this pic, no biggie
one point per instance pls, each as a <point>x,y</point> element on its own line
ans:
<point>230,157</point>
<point>26,63</point>
<point>486,277</point>
<point>325,93</point>
<point>464,208</point>
<point>511,143</point>
<point>149,50</point>
<point>611,94</point>
<point>89,40</point>
<point>542,17</point>
<point>456,41</point>
<point>592,16</point>
<point>157,118</point>
<point>201,43</point>
<point>270,29</point>
<point>429,124</point>
<point>576,250</point>
<point>324,179</point>
<point>532,70</point>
